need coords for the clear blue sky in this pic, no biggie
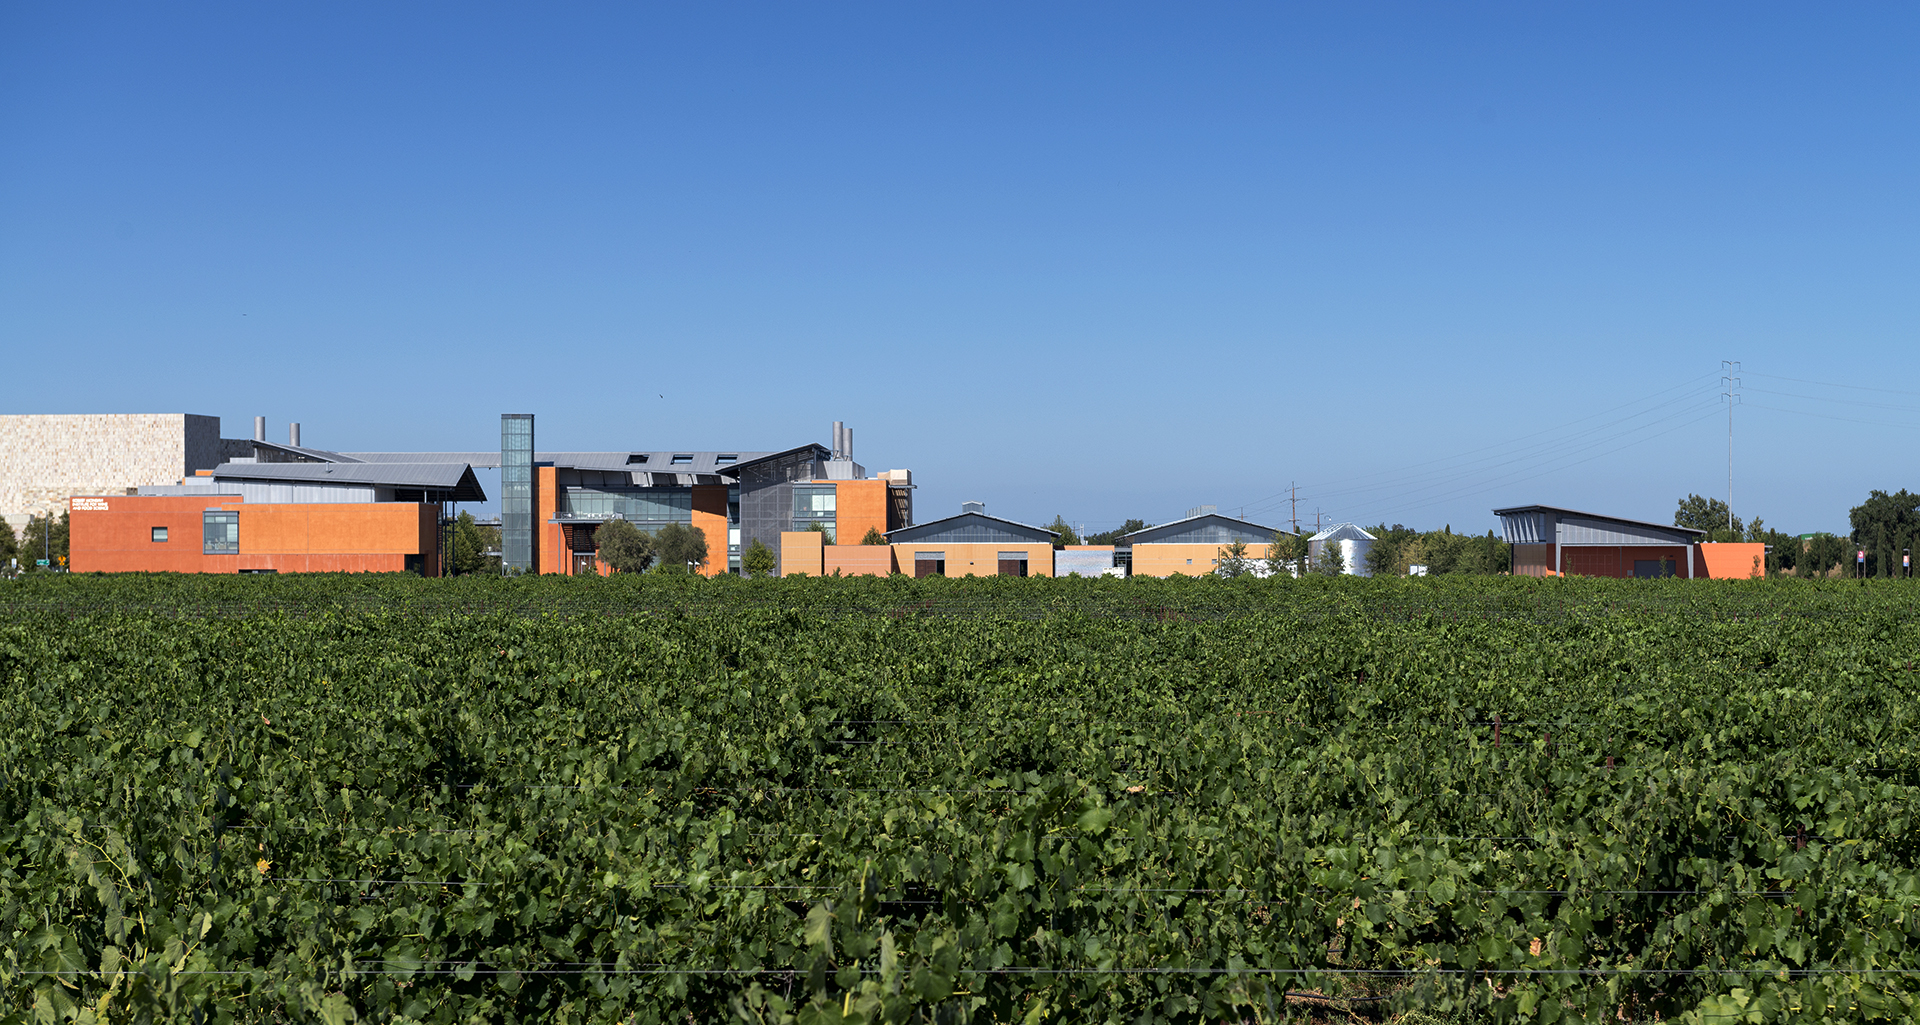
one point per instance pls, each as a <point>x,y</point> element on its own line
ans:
<point>1101,260</point>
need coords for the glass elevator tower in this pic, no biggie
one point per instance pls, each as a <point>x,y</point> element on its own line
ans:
<point>516,492</point>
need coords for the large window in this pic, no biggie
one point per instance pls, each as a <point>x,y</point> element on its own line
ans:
<point>220,532</point>
<point>636,505</point>
<point>813,503</point>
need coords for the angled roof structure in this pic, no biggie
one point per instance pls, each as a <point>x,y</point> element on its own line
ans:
<point>1205,528</point>
<point>972,528</point>
<point>1548,524</point>
<point>669,460</point>
<point>311,455</point>
<point>455,480</point>
<point>1343,532</point>
<point>817,450</point>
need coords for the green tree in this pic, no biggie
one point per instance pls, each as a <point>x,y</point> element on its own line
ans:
<point>1233,561</point>
<point>1108,537</point>
<point>1878,521</point>
<point>469,545</point>
<point>1389,555</point>
<point>821,528</point>
<point>680,546</point>
<point>1710,515</point>
<point>623,546</point>
<point>1067,536</point>
<point>1332,560</point>
<point>40,542</point>
<point>873,537</point>
<point>758,560</point>
<point>9,545</point>
<point>1284,554</point>
<point>1823,553</point>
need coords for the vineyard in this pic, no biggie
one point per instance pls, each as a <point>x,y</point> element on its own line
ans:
<point>650,800</point>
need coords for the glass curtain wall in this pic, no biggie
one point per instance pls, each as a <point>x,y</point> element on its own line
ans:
<point>642,507</point>
<point>813,504</point>
<point>516,492</point>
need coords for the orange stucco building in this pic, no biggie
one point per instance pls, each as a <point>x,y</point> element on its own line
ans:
<point>227,534</point>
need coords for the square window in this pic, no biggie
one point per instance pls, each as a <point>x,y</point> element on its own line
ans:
<point>159,534</point>
<point>220,530</point>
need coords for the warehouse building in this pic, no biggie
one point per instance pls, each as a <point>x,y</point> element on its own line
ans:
<point>1551,541</point>
<point>973,543</point>
<point>1191,546</point>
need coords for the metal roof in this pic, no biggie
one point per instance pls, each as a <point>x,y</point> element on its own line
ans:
<point>455,478</point>
<point>662,461</point>
<point>316,454</point>
<point>1516,510</point>
<point>820,451</point>
<point>919,530</point>
<point>1145,535</point>
<point>1343,532</point>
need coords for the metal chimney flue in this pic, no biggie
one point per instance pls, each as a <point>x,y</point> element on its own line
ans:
<point>849,445</point>
<point>259,428</point>
<point>293,435</point>
<point>839,449</point>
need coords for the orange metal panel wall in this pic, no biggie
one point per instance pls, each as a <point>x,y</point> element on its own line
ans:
<point>857,560</point>
<point>119,538</point>
<point>802,553</point>
<point>710,517</point>
<point>293,562</point>
<point>859,505</point>
<point>348,528</point>
<point>297,538</point>
<point>549,547</point>
<point>976,560</point>
<point>1732,560</point>
<point>1192,560</point>
<point>1614,560</point>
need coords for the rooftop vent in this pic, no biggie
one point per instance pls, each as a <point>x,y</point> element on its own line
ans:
<point>259,428</point>
<point>727,457</point>
<point>973,507</point>
<point>637,457</point>
<point>683,460</point>
<point>293,435</point>
<point>1202,510</point>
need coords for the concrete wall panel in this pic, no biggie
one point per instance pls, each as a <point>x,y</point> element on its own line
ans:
<point>46,459</point>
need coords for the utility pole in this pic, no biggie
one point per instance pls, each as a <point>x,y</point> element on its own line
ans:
<point>1728,380</point>
<point>1293,491</point>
